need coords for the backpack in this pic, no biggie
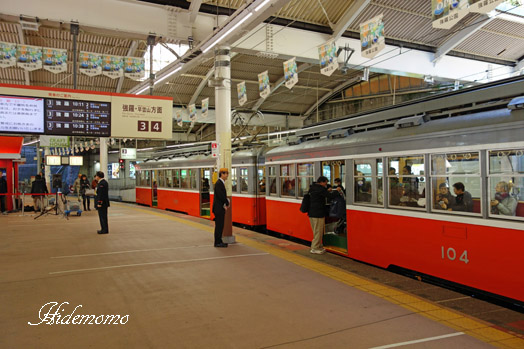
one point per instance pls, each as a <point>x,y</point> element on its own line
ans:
<point>306,201</point>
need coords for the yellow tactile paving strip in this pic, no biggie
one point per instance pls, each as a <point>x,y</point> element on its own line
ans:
<point>460,322</point>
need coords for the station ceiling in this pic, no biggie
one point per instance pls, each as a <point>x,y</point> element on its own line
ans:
<point>499,41</point>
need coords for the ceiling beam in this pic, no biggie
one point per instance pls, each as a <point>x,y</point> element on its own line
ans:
<point>279,83</point>
<point>131,52</point>
<point>193,9</point>
<point>22,41</point>
<point>460,36</point>
<point>348,17</point>
<point>202,84</point>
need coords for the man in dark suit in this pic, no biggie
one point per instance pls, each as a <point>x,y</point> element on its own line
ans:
<point>220,205</point>
<point>102,201</point>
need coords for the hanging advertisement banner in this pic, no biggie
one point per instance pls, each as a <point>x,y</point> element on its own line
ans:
<point>205,107</point>
<point>90,63</point>
<point>54,141</point>
<point>178,118</point>
<point>446,13</point>
<point>290,72</point>
<point>327,54</point>
<point>263,84</point>
<point>483,6</point>
<point>134,68</point>
<point>242,93</point>
<point>192,112</point>
<point>113,66</point>
<point>29,57</point>
<point>7,54</point>
<point>55,60</point>
<point>372,39</point>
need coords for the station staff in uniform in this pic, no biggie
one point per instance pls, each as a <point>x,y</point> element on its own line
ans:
<point>220,205</point>
<point>102,201</point>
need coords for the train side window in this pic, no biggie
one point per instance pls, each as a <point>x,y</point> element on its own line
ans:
<point>234,179</point>
<point>506,184</point>
<point>261,180</point>
<point>456,182</point>
<point>148,178</point>
<point>169,179</point>
<point>367,181</point>
<point>176,178</point>
<point>184,179</point>
<point>193,178</point>
<point>304,177</point>
<point>407,181</point>
<point>272,179</point>
<point>287,177</point>
<point>243,179</point>
<point>139,179</point>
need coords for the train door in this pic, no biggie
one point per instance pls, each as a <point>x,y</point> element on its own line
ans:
<point>154,188</point>
<point>335,236</point>
<point>205,187</point>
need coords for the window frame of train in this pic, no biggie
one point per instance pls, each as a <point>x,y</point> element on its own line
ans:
<point>470,176</point>
<point>375,176</point>
<point>176,178</point>
<point>272,171</point>
<point>261,180</point>
<point>243,177</point>
<point>515,176</point>
<point>291,170</point>
<point>400,183</point>
<point>308,175</point>
<point>234,180</point>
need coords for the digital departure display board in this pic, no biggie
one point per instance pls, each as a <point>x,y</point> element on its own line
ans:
<point>77,118</point>
<point>21,114</point>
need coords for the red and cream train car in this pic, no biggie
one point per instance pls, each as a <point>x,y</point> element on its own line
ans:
<point>182,181</point>
<point>398,165</point>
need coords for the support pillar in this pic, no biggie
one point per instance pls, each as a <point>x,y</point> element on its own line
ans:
<point>47,171</point>
<point>103,157</point>
<point>223,127</point>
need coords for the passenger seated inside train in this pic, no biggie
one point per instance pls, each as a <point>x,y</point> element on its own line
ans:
<point>288,188</point>
<point>503,203</point>
<point>395,188</point>
<point>262,185</point>
<point>362,188</point>
<point>443,197</point>
<point>462,201</point>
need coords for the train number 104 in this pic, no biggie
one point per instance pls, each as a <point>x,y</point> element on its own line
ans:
<point>451,254</point>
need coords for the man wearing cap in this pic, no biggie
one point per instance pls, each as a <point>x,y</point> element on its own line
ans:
<point>220,205</point>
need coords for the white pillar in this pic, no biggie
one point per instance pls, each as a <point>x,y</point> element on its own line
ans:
<point>47,170</point>
<point>223,126</point>
<point>103,157</point>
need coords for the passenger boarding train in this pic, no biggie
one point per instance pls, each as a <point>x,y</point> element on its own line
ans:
<point>434,187</point>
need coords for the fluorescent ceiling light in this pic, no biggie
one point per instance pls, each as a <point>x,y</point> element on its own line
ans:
<point>142,90</point>
<point>168,75</point>
<point>261,5</point>
<point>227,33</point>
<point>144,149</point>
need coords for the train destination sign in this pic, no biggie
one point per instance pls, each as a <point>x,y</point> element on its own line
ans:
<point>77,117</point>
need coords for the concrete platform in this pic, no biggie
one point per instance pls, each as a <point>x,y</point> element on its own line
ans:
<point>177,290</point>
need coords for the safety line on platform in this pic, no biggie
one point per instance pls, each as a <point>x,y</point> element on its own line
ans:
<point>428,339</point>
<point>156,263</point>
<point>471,326</point>
<point>131,251</point>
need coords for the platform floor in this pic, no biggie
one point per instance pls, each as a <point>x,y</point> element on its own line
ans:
<point>178,291</point>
